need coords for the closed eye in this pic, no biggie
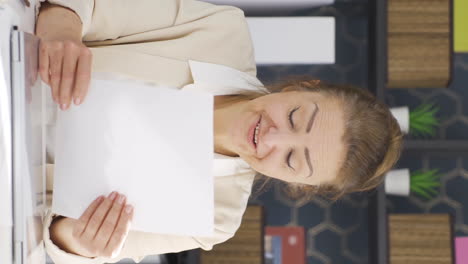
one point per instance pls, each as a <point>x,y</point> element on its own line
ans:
<point>290,116</point>
<point>288,159</point>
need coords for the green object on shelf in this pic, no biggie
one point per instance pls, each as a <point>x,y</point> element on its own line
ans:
<point>425,183</point>
<point>461,25</point>
<point>423,121</point>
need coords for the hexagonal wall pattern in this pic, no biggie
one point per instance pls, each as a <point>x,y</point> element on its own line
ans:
<point>311,215</point>
<point>344,214</point>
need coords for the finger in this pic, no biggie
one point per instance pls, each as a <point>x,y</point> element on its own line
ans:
<point>56,61</point>
<point>44,63</point>
<point>97,218</point>
<point>117,239</point>
<point>84,218</point>
<point>83,77</point>
<point>109,224</point>
<point>68,75</point>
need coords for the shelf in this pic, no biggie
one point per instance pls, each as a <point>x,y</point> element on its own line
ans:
<point>377,74</point>
<point>442,147</point>
<point>377,226</point>
<point>377,56</point>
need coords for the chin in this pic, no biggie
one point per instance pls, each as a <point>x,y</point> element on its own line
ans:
<point>247,159</point>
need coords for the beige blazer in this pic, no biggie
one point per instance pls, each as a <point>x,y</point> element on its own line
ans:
<point>153,40</point>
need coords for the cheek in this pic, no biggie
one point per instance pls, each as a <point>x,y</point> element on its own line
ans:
<point>272,166</point>
<point>278,115</point>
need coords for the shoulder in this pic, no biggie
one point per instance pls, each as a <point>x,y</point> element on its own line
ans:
<point>224,34</point>
<point>207,16</point>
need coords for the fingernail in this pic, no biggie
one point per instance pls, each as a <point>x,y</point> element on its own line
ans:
<point>112,195</point>
<point>128,209</point>
<point>121,199</point>
<point>63,107</point>
<point>99,198</point>
<point>77,101</point>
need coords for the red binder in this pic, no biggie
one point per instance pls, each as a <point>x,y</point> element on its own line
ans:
<point>292,243</point>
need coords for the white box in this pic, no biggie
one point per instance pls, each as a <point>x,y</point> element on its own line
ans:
<point>293,40</point>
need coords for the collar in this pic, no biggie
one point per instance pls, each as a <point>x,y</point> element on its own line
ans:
<point>226,165</point>
<point>221,80</point>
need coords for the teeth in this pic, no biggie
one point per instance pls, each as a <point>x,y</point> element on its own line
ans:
<point>256,133</point>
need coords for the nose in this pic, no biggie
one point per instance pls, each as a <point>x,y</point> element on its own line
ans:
<point>276,139</point>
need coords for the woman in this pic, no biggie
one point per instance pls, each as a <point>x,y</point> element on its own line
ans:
<point>320,139</point>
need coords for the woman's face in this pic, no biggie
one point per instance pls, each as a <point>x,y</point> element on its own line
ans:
<point>292,136</point>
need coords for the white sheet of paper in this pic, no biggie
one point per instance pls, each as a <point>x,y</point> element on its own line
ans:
<point>153,144</point>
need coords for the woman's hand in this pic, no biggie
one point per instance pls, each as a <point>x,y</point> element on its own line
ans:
<point>65,65</point>
<point>64,61</point>
<point>101,230</point>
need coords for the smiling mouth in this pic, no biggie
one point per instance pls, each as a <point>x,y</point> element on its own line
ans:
<point>255,134</point>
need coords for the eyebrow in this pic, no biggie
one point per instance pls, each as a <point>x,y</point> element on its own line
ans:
<point>306,150</point>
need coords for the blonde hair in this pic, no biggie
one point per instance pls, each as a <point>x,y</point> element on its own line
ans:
<point>372,137</point>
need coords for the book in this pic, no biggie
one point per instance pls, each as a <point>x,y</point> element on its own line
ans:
<point>461,250</point>
<point>273,249</point>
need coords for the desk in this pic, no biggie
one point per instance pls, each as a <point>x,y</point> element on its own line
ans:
<point>22,150</point>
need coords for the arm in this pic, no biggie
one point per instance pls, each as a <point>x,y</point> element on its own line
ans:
<point>231,196</point>
<point>179,30</point>
<point>61,233</point>
<point>111,19</point>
